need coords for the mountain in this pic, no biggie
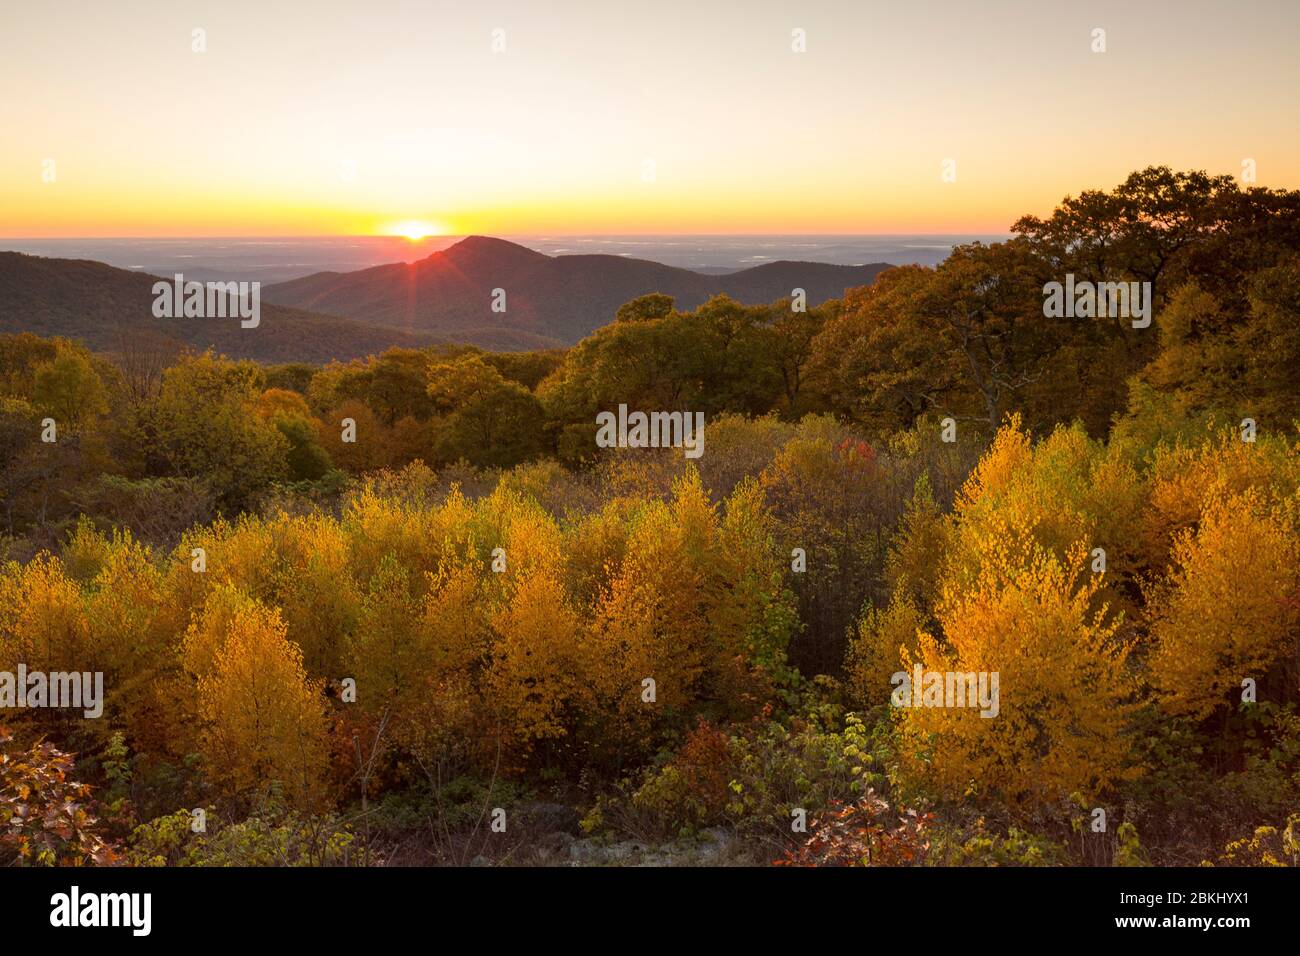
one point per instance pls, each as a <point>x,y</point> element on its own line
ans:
<point>80,299</point>
<point>446,297</point>
<point>550,300</point>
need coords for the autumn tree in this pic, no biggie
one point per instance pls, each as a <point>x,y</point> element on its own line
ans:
<point>1144,229</point>
<point>1238,357</point>
<point>289,413</point>
<point>879,359</point>
<point>1228,611</point>
<point>262,719</point>
<point>1064,693</point>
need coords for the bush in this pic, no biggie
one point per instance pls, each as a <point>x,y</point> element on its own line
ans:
<point>274,838</point>
<point>753,776</point>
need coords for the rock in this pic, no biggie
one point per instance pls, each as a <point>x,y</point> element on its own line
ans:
<point>716,844</point>
<point>713,847</point>
<point>586,853</point>
<point>621,852</point>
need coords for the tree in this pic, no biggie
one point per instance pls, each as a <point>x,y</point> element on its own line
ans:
<point>142,357</point>
<point>20,356</point>
<point>20,432</point>
<point>306,460</point>
<point>263,720</point>
<point>826,498</point>
<point>390,652</point>
<point>1239,356</point>
<point>987,305</point>
<point>486,420</point>
<point>723,356</point>
<point>881,359</point>
<point>653,306</point>
<point>1229,609</point>
<point>42,621</point>
<point>398,385</point>
<point>204,424</point>
<point>1063,691</point>
<point>792,337</point>
<point>69,389</point>
<point>535,680</point>
<point>968,339</point>
<point>1144,229</point>
<point>289,413</point>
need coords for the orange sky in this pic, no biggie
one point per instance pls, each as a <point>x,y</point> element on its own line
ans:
<point>348,118</point>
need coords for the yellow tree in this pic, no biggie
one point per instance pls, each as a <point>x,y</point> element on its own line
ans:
<point>1229,609</point>
<point>314,589</point>
<point>69,388</point>
<point>535,679</point>
<point>1064,694</point>
<point>262,719</point>
<point>132,642</point>
<point>388,652</point>
<point>885,640</point>
<point>652,623</point>
<point>42,620</point>
<point>1185,475</point>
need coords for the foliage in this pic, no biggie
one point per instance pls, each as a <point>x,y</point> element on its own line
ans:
<point>864,834</point>
<point>46,817</point>
<point>273,838</point>
<point>978,845</point>
<point>1267,846</point>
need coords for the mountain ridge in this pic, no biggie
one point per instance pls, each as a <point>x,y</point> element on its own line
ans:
<point>560,298</point>
<point>444,298</point>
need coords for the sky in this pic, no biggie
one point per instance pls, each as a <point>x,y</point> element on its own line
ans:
<point>622,116</point>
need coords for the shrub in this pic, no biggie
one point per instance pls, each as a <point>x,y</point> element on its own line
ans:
<point>273,838</point>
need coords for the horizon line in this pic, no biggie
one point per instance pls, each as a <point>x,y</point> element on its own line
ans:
<point>546,235</point>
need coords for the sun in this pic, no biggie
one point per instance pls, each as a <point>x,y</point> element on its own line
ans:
<point>415,229</point>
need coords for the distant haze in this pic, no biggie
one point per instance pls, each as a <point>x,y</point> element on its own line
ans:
<point>277,259</point>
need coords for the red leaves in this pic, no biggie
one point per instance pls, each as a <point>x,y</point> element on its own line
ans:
<point>42,817</point>
<point>862,834</point>
<point>856,453</point>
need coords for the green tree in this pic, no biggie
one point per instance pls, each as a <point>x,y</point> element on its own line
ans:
<point>204,424</point>
<point>69,389</point>
<point>485,419</point>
